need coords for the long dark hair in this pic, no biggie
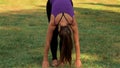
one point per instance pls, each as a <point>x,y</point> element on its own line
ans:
<point>66,44</point>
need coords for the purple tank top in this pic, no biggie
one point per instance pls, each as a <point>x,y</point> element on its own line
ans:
<point>60,6</point>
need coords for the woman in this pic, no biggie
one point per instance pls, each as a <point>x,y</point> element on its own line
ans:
<point>62,16</point>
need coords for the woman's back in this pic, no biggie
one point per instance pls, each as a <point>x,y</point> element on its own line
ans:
<point>60,6</point>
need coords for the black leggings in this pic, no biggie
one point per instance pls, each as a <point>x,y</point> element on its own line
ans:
<point>54,41</point>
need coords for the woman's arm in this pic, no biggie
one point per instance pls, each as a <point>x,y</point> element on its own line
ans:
<point>50,30</point>
<point>48,39</point>
<point>76,41</point>
<point>76,38</point>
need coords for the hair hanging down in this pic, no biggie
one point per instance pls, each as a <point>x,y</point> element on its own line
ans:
<point>66,44</point>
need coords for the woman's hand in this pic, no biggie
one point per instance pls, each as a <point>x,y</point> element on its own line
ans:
<point>45,64</point>
<point>78,63</point>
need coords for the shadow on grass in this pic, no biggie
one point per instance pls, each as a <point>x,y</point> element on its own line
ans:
<point>99,30</point>
<point>22,35</point>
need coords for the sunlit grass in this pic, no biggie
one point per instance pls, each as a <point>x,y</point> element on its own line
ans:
<point>112,6</point>
<point>18,5</point>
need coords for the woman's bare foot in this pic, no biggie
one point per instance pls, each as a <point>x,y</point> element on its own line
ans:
<point>54,62</point>
<point>61,64</point>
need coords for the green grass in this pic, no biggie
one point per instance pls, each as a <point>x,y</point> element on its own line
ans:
<point>23,26</point>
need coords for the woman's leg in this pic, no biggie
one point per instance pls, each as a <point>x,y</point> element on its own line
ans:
<point>71,2</point>
<point>48,9</point>
<point>54,41</point>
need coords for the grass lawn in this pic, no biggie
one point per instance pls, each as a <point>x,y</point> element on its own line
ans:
<point>23,25</point>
